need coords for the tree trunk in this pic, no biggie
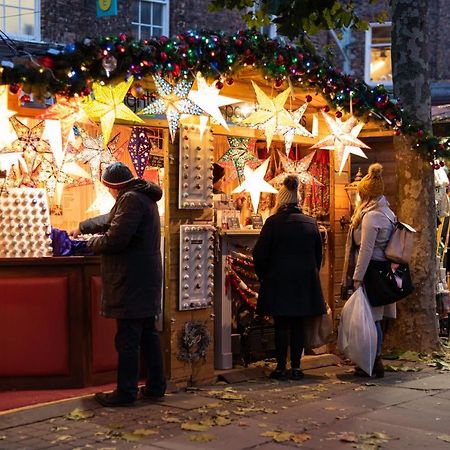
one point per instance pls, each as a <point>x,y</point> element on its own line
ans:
<point>416,327</point>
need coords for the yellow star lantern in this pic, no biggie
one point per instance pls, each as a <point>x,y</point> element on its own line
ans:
<point>271,114</point>
<point>254,183</point>
<point>108,106</point>
<point>342,139</point>
<point>208,99</point>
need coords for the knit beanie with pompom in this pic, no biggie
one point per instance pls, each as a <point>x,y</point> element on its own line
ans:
<point>288,193</point>
<point>372,184</point>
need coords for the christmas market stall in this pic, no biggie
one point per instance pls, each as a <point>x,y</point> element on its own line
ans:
<point>218,121</point>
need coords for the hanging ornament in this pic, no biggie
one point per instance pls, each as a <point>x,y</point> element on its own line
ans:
<point>342,139</point>
<point>289,132</point>
<point>173,101</point>
<point>254,183</point>
<point>270,114</point>
<point>298,168</point>
<point>238,155</point>
<point>108,106</point>
<point>109,63</point>
<point>139,147</point>
<point>67,111</point>
<point>103,201</point>
<point>208,98</point>
<point>94,154</point>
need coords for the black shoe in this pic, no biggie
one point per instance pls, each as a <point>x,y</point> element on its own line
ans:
<point>297,374</point>
<point>113,399</point>
<point>278,374</point>
<point>145,394</point>
<point>360,373</point>
<point>378,367</point>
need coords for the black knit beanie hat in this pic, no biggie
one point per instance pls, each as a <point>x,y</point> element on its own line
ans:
<point>116,176</point>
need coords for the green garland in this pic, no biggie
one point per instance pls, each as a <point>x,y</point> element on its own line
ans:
<point>194,340</point>
<point>74,68</point>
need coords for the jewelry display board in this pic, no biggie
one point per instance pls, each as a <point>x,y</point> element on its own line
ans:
<point>25,230</point>
<point>196,159</point>
<point>196,266</point>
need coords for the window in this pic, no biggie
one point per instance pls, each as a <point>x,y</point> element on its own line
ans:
<point>21,19</point>
<point>150,18</point>
<point>378,67</point>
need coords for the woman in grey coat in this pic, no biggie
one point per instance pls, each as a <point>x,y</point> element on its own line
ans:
<point>371,228</point>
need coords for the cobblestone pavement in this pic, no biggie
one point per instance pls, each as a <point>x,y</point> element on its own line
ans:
<point>329,409</point>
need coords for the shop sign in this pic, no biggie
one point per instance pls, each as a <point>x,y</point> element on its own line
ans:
<point>106,8</point>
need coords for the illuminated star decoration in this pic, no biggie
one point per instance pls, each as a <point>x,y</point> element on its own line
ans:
<point>254,183</point>
<point>173,101</point>
<point>298,168</point>
<point>103,201</point>
<point>139,147</point>
<point>67,111</point>
<point>208,99</point>
<point>342,139</point>
<point>289,132</point>
<point>108,106</point>
<point>271,114</point>
<point>238,155</point>
<point>94,154</point>
<point>36,153</point>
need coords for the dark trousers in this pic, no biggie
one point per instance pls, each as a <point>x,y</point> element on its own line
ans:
<point>134,335</point>
<point>288,332</point>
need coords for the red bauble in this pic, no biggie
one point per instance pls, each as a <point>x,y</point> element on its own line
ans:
<point>420,134</point>
<point>25,98</point>
<point>238,42</point>
<point>14,88</point>
<point>398,132</point>
<point>123,37</point>
<point>121,48</point>
<point>338,114</point>
<point>308,98</point>
<point>47,62</point>
<point>219,84</point>
<point>163,56</point>
<point>280,60</point>
<point>300,56</point>
<point>278,83</point>
<point>326,108</point>
<point>437,167</point>
<point>442,163</point>
<point>230,81</point>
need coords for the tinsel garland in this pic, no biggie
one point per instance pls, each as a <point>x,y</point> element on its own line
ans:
<point>248,295</point>
<point>72,70</point>
<point>194,340</point>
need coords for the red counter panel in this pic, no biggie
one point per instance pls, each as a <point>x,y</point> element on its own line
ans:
<point>34,326</point>
<point>104,356</point>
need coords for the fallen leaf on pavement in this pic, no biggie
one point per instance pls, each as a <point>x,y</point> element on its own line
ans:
<point>300,437</point>
<point>410,356</point>
<point>202,437</point>
<point>145,432</point>
<point>222,421</point>
<point>171,419</point>
<point>348,437</point>
<point>79,414</point>
<point>278,436</point>
<point>64,437</point>
<point>192,426</point>
<point>444,437</point>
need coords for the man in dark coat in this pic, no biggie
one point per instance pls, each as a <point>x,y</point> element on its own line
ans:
<point>288,256</point>
<point>131,270</point>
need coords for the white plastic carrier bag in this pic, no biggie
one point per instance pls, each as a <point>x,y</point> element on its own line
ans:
<point>357,333</point>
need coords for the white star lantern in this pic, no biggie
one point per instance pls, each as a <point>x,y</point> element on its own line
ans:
<point>342,139</point>
<point>254,183</point>
<point>289,132</point>
<point>208,99</point>
<point>271,114</point>
<point>173,101</point>
<point>298,168</point>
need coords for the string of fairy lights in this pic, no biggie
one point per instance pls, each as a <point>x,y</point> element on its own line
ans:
<point>73,70</point>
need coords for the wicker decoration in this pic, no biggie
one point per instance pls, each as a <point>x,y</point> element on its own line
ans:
<point>194,340</point>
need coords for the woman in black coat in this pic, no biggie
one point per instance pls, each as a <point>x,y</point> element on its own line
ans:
<point>288,256</point>
<point>130,247</point>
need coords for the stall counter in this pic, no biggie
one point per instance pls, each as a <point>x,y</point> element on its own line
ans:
<point>51,331</point>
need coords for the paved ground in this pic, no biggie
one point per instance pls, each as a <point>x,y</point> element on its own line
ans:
<point>329,409</point>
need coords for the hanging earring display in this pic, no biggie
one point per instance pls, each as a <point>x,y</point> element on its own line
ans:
<point>196,159</point>
<point>25,230</point>
<point>196,266</point>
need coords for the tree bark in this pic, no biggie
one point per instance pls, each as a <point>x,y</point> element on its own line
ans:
<point>416,327</point>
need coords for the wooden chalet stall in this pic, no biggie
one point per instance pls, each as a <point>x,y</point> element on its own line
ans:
<point>62,341</point>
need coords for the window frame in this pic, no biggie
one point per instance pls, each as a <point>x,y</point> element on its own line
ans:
<point>36,37</point>
<point>368,53</point>
<point>165,18</point>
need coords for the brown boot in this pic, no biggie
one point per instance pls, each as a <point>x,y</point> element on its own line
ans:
<point>378,368</point>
